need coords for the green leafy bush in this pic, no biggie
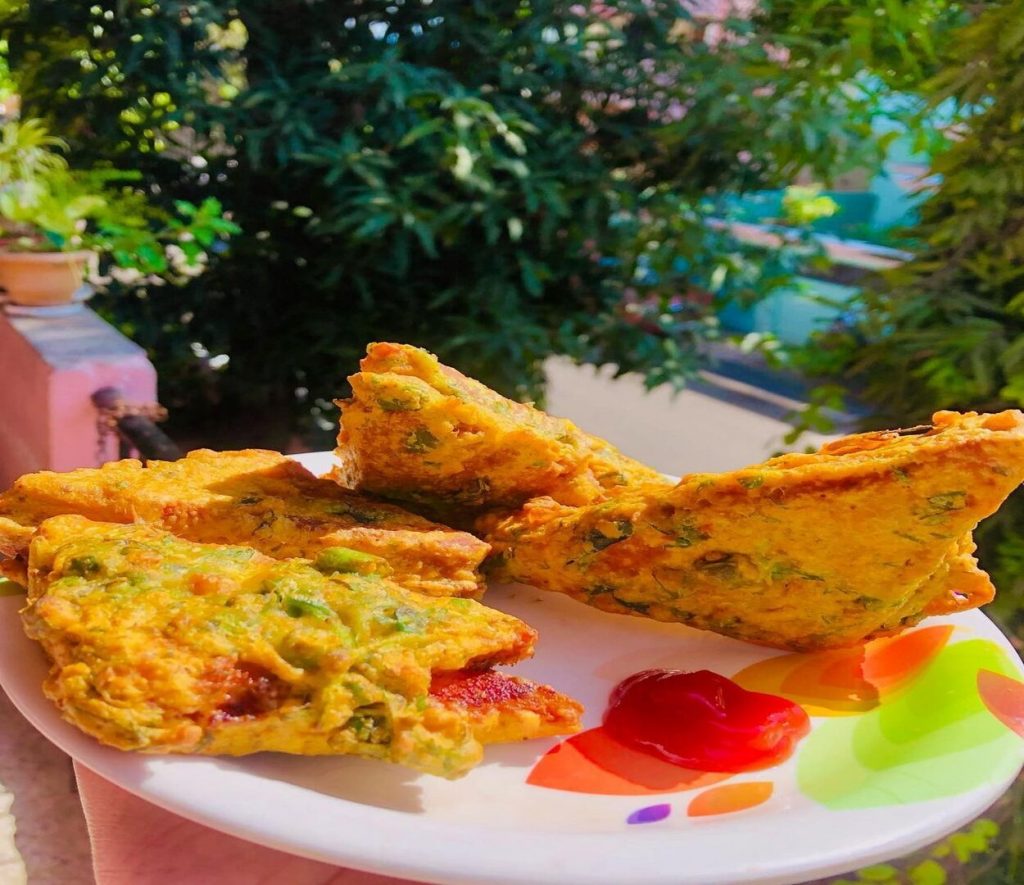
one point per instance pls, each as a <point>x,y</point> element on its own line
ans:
<point>496,182</point>
<point>946,330</point>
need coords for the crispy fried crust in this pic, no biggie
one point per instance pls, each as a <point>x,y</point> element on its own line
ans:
<point>162,645</point>
<point>422,433</point>
<point>504,708</point>
<point>258,498</point>
<point>863,538</point>
<point>14,570</point>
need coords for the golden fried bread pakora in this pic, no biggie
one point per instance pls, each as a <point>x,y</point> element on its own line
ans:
<point>420,432</point>
<point>257,498</point>
<point>163,645</point>
<point>864,538</point>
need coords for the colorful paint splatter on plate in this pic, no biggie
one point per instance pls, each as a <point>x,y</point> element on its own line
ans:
<point>921,716</point>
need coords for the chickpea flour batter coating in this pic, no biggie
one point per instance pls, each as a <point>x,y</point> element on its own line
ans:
<point>163,645</point>
<point>422,433</point>
<point>864,538</point>
<point>258,498</point>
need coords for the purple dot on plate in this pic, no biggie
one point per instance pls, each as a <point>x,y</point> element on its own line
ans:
<point>650,814</point>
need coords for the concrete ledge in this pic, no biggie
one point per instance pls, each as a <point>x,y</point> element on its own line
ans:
<point>49,367</point>
<point>705,427</point>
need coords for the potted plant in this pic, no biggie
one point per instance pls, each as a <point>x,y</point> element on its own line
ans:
<point>31,270</point>
<point>42,259</point>
<point>55,221</point>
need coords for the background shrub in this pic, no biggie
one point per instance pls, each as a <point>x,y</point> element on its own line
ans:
<point>946,330</point>
<point>494,181</point>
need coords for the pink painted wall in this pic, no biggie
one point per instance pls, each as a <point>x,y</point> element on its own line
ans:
<point>49,367</point>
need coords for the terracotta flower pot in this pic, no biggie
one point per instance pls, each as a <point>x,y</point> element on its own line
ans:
<point>42,278</point>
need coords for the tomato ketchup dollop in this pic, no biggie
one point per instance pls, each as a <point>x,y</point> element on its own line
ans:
<point>703,721</point>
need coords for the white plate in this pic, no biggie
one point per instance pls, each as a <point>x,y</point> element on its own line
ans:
<point>860,789</point>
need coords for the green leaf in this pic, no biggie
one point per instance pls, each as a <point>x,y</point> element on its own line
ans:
<point>424,129</point>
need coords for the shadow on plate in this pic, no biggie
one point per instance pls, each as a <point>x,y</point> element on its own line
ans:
<point>523,755</point>
<point>363,781</point>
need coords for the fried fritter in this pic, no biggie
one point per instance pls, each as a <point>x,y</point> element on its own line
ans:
<point>163,645</point>
<point>257,498</point>
<point>420,432</point>
<point>502,708</point>
<point>864,538</point>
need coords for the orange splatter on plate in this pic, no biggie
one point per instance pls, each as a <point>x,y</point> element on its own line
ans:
<point>592,762</point>
<point>1004,698</point>
<point>848,681</point>
<point>891,663</point>
<point>728,798</point>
